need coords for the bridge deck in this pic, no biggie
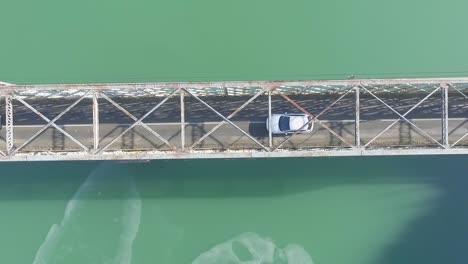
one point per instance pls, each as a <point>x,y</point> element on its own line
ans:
<point>227,119</point>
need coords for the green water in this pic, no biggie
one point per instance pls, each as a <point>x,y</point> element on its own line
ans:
<point>179,40</point>
<point>329,210</point>
<point>334,210</point>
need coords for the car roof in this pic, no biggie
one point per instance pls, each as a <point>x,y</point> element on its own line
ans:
<point>297,122</point>
<point>297,114</point>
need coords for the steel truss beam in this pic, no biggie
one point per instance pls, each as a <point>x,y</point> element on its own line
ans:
<point>403,116</point>
<point>153,155</point>
<point>182,119</point>
<point>226,119</point>
<point>466,97</point>
<point>139,121</point>
<point>9,123</point>
<point>50,123</point>
<point>445,117</point>
<point>253,89</point>
<point>95,121</point>
<point>357,119</point>
<point>136,119</point>
<point>314,118</point>
<point>239,84</point>
<point>270,133</point>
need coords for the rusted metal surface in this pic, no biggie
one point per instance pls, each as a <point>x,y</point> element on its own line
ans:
<point>198,129</point>
<point>229,122</point>
<point>357,118</point>
<point>403,116</point>
<point>182,119</point>
<point>233,154</point>
<point>50,123</point>
<point>139,121</point>
<point>95,121</point>
<point>9,123</point>
<point>270,134</point>
<point>314,118</point>
<point>134,118</point>
<point>239,84</point>
<point>445,118</point>
<point>229,117</point>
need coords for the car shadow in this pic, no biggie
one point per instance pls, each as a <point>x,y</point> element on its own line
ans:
<point>258,130</point>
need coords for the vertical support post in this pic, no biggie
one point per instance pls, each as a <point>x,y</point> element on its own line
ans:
<point>270,136</point>
<point>445,137</point>
<point>95,121</point>
<point>182,119</point>
<point>9,123</point>
<point>357,120</point>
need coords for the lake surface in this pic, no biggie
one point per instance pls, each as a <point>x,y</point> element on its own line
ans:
<point>320,210</point>
<point>53,41</point>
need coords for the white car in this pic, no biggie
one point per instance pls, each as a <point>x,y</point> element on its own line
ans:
<point>289,123</point>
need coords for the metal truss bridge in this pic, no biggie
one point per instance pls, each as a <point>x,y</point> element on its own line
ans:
<point>144,121</point>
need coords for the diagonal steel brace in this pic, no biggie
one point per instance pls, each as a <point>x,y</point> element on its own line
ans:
<point>137,122</point>
<point>460,92</point>
<point>466,97</point>
<point>314,118</point>
<point>51,123</point>
<point>458,141</point>
<point>136,119</point>
<point>228,121</point>
<point>6,109</point>
<point>403,116</point>
<point>229,117</point>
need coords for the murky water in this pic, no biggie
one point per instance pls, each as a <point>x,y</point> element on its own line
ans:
<point>300,211</point>
<point>179,40</point>
<point>322,210</point>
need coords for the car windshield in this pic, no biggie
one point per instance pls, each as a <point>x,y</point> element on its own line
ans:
<point>284,123</point>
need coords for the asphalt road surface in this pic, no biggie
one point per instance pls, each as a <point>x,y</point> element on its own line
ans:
<point>199,120</point>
